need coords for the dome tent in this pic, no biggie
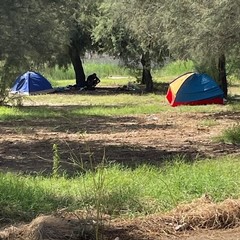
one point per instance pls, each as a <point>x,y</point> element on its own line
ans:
<point>194,89</point>
<point>31,83</point>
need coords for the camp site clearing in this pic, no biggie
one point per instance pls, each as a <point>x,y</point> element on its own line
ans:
<point>26,146</point>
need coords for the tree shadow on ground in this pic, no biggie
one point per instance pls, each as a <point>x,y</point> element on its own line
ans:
<point>159,88</point>
<point>68,120</point>
<point>102,91</point>
<point>77,156</point>
<point>131,141</point>
<point>231,115</point>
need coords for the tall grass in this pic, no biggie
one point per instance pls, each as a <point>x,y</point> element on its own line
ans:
<point>175,68</point>
<point>139,191</point>
<point>101,69</point>
<point>105,69</point>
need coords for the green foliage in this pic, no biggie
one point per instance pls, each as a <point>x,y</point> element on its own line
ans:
<point>125,29</point>
<point>201,30</point>
<point>8,74</point>
<point>113,35</point>
<point>26,28</point>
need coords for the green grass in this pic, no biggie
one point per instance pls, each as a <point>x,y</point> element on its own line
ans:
<point>231,135</point>
<point>103,70</point>
<point>144,190</point>
<point>83,105</point>
<point>16,113</point>
<point>111,68</point>
<point>208,123</point>
<point>175,68</point>
<point>80,105</point>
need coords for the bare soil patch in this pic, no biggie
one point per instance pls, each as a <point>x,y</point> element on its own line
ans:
<point>26,146</point>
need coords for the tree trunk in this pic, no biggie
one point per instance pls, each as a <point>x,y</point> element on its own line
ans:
<point>143,77</point>
<point>146,74</point>
<point>222,74</point>
<point>78,67</point>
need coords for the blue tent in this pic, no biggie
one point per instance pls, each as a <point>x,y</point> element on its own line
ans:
<point>31,83</point>
<point>194,89</point>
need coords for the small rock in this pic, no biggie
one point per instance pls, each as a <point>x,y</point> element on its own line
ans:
<point>181,227</point>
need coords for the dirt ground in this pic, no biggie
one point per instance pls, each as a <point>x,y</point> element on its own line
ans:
<point>26,146</point>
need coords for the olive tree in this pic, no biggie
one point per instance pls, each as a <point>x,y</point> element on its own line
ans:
<point>30,33</point>
<point>205,31</point>
<point>127,29</point>
<point>80,22</point>
<point>144,19</point>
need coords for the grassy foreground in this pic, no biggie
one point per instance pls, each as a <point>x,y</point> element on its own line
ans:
<point>119,190</point>
<point>111,188</point>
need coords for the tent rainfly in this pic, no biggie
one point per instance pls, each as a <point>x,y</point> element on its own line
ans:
<point>31,83</point>
<point>194,89</point>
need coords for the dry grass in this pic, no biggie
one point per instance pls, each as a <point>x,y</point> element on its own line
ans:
<point>201,213</point>
<point>43,227</point>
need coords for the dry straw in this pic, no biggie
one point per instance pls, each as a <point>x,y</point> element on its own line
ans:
<point>49,228</point>
<point>201,213</point>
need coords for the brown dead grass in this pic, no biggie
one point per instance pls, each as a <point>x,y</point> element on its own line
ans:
<point>202,213</point>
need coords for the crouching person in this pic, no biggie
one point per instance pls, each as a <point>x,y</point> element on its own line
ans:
<point>92,81</point>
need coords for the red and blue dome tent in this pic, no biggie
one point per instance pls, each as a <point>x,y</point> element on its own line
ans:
<point>31,83</point>
<point>194,89</point>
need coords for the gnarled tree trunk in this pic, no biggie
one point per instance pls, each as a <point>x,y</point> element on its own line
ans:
<point>77,65</point>
<point>222,74</point>
<point>146,74</point>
